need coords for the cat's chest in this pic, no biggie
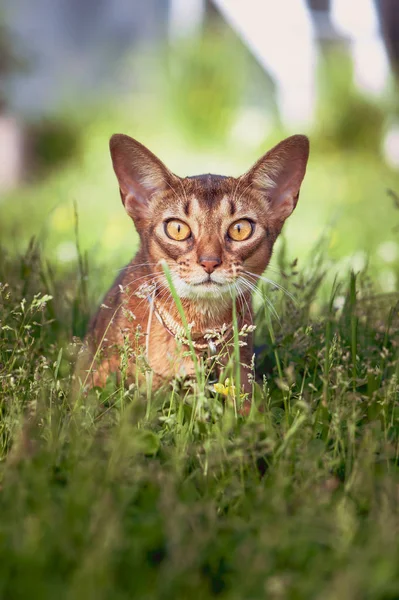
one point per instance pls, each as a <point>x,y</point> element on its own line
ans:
<point>166,356</point>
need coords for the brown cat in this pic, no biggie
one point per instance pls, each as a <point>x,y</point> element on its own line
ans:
<point>215,234</point>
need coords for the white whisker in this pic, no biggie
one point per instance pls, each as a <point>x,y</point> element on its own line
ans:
<point>263,297</point>
<point>131,267</point>
<point>248,307</point>
<point>274,284</point>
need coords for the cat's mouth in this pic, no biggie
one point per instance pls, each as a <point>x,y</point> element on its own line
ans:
<point>208,282</point>
<point>208,288</point>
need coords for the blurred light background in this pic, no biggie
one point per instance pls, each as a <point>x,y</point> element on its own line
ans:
<point>209,86</point>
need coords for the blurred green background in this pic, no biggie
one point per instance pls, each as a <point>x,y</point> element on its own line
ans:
<point>193,89</point>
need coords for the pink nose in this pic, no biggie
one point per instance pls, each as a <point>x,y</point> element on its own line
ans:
<point>209,263</point>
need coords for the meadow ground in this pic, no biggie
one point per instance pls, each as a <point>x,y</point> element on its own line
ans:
<point>123,495</point>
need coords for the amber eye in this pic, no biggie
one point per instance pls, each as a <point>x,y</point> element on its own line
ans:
<point>240,230</point>
<point>177,230</point>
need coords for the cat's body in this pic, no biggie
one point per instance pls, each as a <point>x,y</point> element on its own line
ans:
<point>163,348</point>
<point>216,236</point>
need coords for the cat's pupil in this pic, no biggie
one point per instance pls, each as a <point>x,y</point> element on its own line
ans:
<point>178,228</point>
<point>238,228</point>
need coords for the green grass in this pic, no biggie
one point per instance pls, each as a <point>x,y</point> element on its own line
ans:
<point>112,497</point>
<point>172,495</point>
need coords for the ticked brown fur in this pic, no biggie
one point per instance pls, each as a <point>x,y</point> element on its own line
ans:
<point>204,267</point>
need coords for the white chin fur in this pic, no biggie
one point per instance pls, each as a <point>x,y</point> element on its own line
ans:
<point>214,292</point>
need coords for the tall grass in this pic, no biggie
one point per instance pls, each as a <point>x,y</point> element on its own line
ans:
<point>112,497</point>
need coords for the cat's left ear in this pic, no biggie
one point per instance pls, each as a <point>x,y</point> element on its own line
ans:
<point>279,174</point>
<point>140,174</point>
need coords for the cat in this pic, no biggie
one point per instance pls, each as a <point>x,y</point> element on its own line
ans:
<point>216,236</point>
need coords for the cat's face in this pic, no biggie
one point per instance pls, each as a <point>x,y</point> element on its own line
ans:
<point>212,231</point>
<point>209,233</point>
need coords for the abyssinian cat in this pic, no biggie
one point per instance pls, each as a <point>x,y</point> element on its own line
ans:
<point>216,236</point>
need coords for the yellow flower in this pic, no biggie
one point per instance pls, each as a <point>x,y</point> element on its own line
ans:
<point>221,389</point>
<point>227,389</point>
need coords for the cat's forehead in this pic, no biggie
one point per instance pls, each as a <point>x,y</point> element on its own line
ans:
<point>209,190</point>
<point>208,195</point>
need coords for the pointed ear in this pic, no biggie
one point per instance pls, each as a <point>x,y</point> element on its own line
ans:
<point>279,174</point>
<point>140,173</point>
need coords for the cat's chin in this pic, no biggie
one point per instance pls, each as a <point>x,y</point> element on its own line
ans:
<point>206,291</point>
<point>210,291</point>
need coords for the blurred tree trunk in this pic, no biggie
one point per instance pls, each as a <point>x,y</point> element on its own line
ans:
<point>321,5</point>
<point>388,12</point>
<point>11,136</point>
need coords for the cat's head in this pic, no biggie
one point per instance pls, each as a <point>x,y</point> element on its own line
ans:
<point>211,230</point>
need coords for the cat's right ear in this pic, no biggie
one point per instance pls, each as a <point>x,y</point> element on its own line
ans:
<point>278,175</point>
<point>140,174</point>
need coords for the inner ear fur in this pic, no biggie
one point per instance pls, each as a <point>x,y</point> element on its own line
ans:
<point>139,172</point>
<point>279,174</point>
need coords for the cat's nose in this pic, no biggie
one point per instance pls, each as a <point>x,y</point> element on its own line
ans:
<point>209,263</point>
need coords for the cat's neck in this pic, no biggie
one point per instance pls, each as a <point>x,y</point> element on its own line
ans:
<point>204,315</point>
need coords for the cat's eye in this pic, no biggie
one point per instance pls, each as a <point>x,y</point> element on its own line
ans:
<point>240,230</point>
<point>177,230</point>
